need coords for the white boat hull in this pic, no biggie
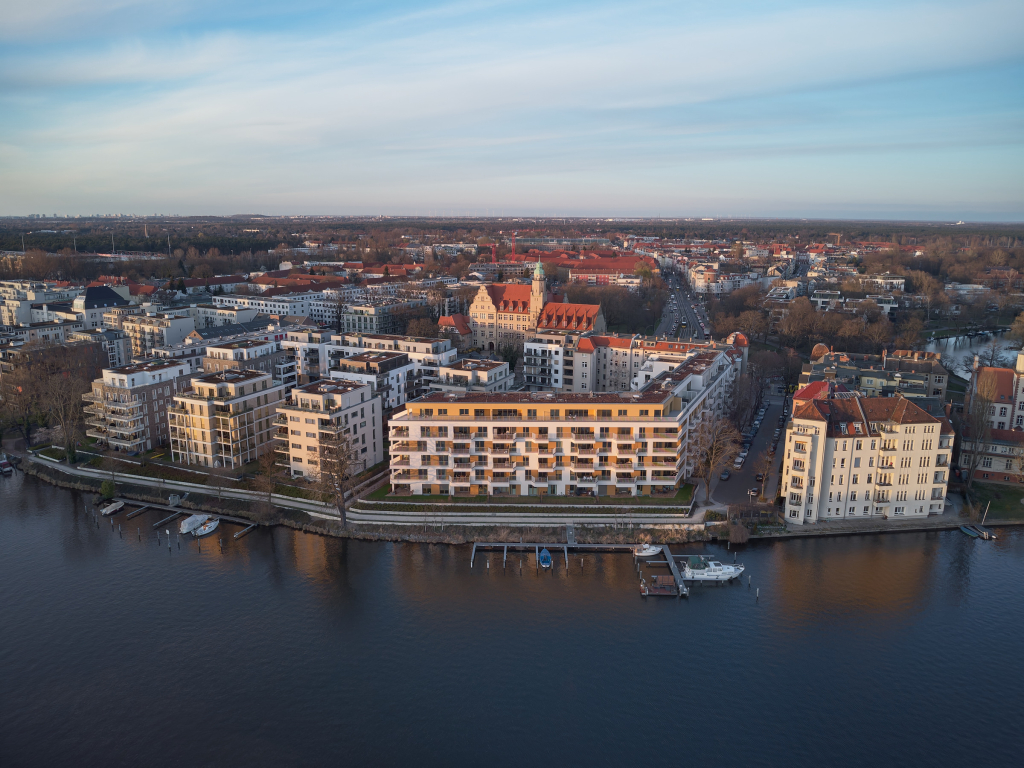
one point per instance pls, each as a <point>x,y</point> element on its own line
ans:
<point>648,551</point>
<point>206,528</point>
<point>192,522</point>
<point>713,571</point>
<point>112,509</point>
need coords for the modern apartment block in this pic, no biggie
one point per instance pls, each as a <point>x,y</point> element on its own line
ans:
<point>474,376</point>
<point>284,304</point>
<point>225,419</point>
<point>309,350</point>
<point>18,296</point>
<point>377,315</point>
<point>545,443</point>
<point>855,457</point>
<point>126,408</point>
<point>155,330</point>
<point>252,355</point>
<point>114,344</point>
<point>602,362</point>
<point>391,375</point>
<point>320,414</point>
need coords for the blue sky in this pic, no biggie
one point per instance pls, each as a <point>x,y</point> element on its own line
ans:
<point>871,109</point>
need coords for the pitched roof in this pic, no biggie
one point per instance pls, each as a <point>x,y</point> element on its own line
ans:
<point>457,321</point>
<point>510,297</point>
<point>101,296</point>
<point>577,317</point>
<point>1004,381</point>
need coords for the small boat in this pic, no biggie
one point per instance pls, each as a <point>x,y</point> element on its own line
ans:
<point>112,509</point>
<point>647,551</point>
<point>545,558</point>
<point>5,465</point>
<point>700,568</point>
<point>984,532</point>
<point>969,531</point>
<point>207,528</point>
<point>192,522</point>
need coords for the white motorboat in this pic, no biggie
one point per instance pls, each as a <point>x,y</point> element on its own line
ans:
<point>111,509</point>
<point>699,568</point>
<point>5,465</point>
<point>192,522</point>
<point>207,528</point>
<point>647,551</point>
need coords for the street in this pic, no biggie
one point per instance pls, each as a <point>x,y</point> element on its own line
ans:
<point>734,490</point>
<point>681,311</point>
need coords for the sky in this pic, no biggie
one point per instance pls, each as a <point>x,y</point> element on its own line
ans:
<point>888,110</point>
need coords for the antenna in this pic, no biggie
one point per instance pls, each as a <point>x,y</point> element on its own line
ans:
<point>113,248</point>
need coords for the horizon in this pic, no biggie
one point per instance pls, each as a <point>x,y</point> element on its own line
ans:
<point>862,112</point>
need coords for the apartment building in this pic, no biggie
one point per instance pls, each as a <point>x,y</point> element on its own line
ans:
<point>547,443</point>
<point>213,315</point>
<point>298,304</point>
<point>114,344</point>
<point>126,408</point>
<point>155,330</point>
<point>392,375</point>
<point>114,318</point>
<point>904,372</point>
<point>18,296</point>
<point>474,376</point>
<point>309,350</point>
<point>378,315</point>
<point>855,457</point>
<point>225,419</point>
<point>252,355</point>
<point>1005,389</point>
<point>602,362</point>
<point>427,355</point>
<point>320,414</point>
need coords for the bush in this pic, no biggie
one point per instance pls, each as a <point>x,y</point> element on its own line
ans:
<point>107,489</point>
<point>714,517</point>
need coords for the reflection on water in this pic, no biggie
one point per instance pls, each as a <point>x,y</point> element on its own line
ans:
<point>296,649</point>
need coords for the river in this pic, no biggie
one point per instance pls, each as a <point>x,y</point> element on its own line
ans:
<point>293,649</point>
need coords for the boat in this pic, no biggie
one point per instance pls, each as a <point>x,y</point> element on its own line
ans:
<point>112,509</point>
<point>5,465</point>
<point>700,568</point>
<point>984,532</point>
<point>969,531</point>
<point>207,528</point>
<point>192,522</point>
<point>545,558</point>
<point>647,551</point>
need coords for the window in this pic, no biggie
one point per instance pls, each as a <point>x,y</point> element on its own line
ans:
<point>856,462</point>
<point>858,445</point>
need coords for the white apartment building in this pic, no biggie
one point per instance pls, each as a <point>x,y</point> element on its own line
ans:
<point>225,419</point>
<point>391,375</point>
<point>309,350</point>
<point>1006,410</point>
<point>854,457</point>
<point>546,443</point>
<point>113,342</point>
<point>127,407</point>
<point>427,355</point>
<point>474,376</point>
<point>155,330</point>
<point>214,315</point>
<point>319,414</point>
<point>18,296</point>
<point>296,304</point>
<point>266,356</point>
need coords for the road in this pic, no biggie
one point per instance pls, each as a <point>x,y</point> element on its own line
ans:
<point>682,310</point>
<point>734,490</point>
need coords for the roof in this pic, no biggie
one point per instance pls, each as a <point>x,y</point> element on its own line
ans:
<point>577,317</point>
<point>510,297</point>
<point>1004,381</point>
<point>457,321</point>
<point>102,296</point>
<point>551,398</point>
<point>738,339</point>
<point>328,387</point>
<point>475,365</point>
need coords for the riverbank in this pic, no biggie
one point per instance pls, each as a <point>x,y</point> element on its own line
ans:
<point>438,528</point>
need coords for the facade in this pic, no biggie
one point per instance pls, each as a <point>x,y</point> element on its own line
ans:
<point>318,415</point>
<point>155,330</point>
<point>427,355</point>
<point>114,344</point>
<point>545,443</point>
<point>252,355</point>
<point>378,315</point>
<point>474,376</point>
<point>391,375</point>
<point>224,419</point>
<point>505,312</point>
<point>18,296</point>
<point>309,351</point>
<point>126,407</point>
<point>1002,456</point>
<point>213,315</point>
<point>284,304</point>
<point>854,457</point>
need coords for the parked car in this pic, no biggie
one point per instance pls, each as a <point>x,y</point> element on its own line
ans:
<point>725,475</point>
<point>759,477</point>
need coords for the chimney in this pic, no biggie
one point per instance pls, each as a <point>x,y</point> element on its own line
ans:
<point>883,358</point>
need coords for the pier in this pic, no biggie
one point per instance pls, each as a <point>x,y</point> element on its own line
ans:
<point>178,512</point>
<point>680,589</point>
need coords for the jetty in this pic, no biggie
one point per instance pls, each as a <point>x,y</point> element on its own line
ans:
<point>675,587</point>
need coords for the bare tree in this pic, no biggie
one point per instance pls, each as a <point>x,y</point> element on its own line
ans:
<point>219,478</point>
<point>21,397</point>
<point>338,462</point>
<point>265,481</point>
<point>764,466</point>
<point>975,425</point>
<point>62,399</point>
<point>715,444</point>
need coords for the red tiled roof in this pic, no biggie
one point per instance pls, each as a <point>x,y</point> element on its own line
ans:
<point>577,317</point>
<point>1004,381</point>
<point>457,321</point>
<point>510,297</point>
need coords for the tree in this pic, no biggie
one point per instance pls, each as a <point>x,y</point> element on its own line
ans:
<point>715,444</point>
<point>62,399</point>
<point>975,424</point>
<point>765,461</point>
<point>21,396</point>
<point>1017,329</point>
<point>338,462</point>
<point>264,482</point>
<point>510,351</point>
<point>423,327</point>
<point>219,478</point>
<point>752,323</point>
<point>202,271</point>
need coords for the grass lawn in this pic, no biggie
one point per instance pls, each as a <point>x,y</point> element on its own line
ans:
<point>1006,500</point>
<point>54,453</point>
<point>682,497</point>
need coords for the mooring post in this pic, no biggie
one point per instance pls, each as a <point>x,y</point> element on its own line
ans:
<point>758,596</point>
<point>140,534</point>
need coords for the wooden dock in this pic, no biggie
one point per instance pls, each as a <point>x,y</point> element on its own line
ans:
<point>178,511</point>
